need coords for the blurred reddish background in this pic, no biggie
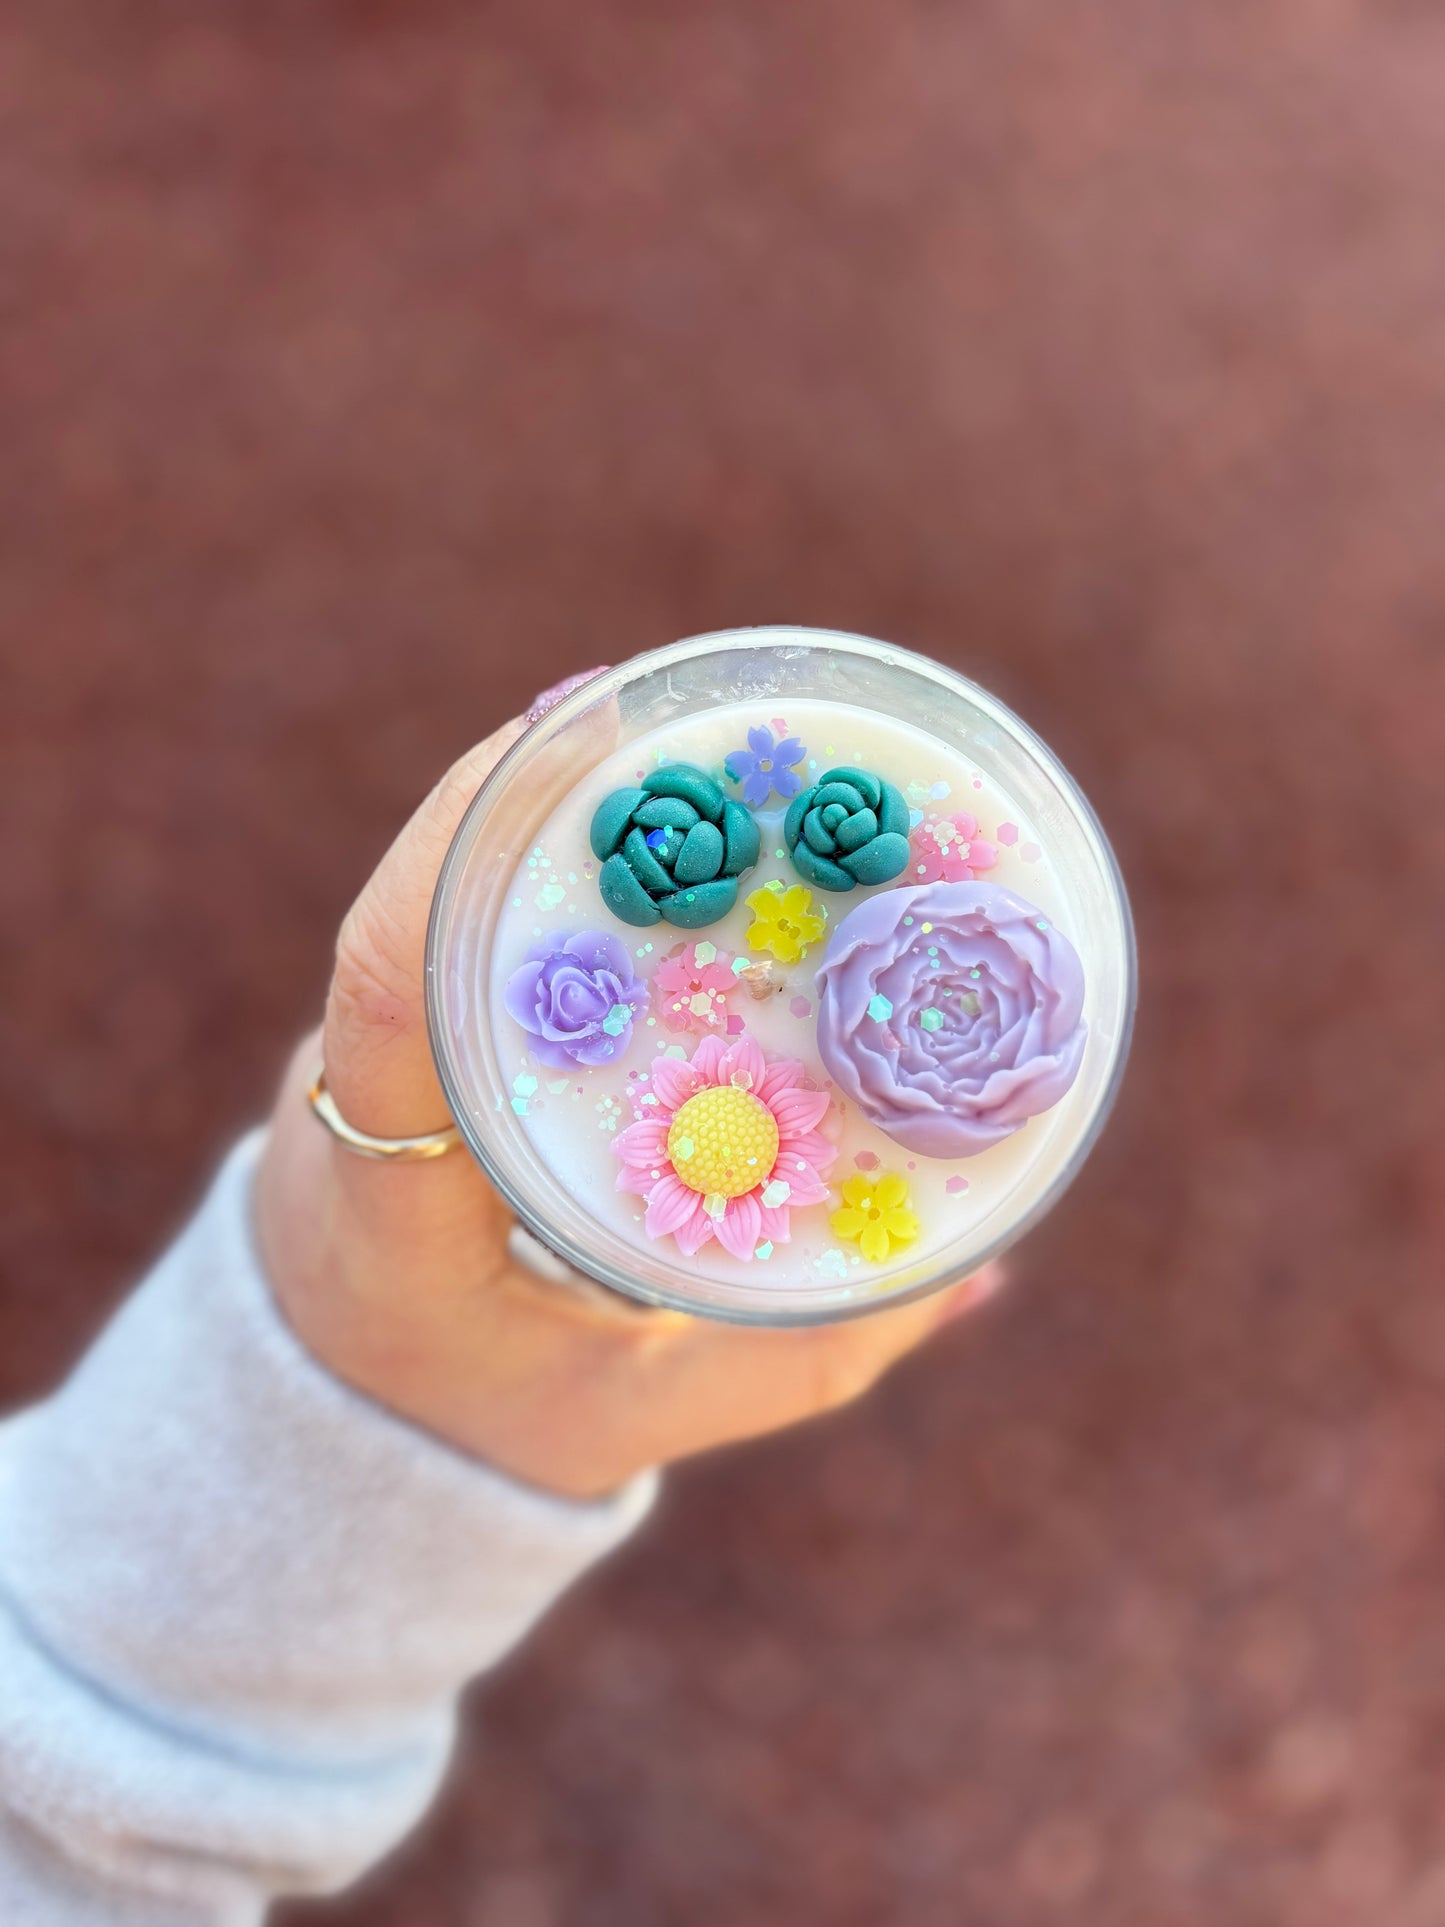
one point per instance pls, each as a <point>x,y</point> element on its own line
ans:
<point>367,366</point>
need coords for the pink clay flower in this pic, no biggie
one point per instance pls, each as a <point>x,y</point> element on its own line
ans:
<point>731,1146</point>
<point>690,995</point>
<point>949,849</point>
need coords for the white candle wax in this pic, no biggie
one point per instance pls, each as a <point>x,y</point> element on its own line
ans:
<point>572,1115</point>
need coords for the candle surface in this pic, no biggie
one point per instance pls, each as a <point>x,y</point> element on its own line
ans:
<point>685,1061</point>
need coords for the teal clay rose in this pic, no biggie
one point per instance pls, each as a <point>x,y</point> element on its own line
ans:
<point>850,828</point>
<point>673,849</point>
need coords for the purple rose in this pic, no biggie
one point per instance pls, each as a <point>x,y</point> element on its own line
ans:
<point>950,1014</point>
<point>577,996</point>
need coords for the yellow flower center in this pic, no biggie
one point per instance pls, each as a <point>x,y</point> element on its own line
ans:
<point>723,1142</point>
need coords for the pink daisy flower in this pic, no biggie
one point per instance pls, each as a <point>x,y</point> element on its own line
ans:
<point>729,1149</point>
<point>690,988</point>
<point>949,849</point>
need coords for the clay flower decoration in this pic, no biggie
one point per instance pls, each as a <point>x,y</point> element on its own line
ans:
<point>764,767</point>
<point>949,849</point>
<point>875,1216</point>
<point>690,988</point>
<point>672,850</point>
<point>731,1147</point>
<point>849,827</point>
<point>785,923</point>
<point>577,996</point>
<point>951,1014</point>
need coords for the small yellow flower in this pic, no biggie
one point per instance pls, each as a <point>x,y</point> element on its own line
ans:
<point>786,922</point>
<point>875,1216</point>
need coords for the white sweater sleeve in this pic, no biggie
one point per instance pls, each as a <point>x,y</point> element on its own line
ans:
<point>237,1602</point>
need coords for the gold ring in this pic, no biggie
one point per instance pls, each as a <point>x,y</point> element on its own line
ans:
<point>389,1150</point>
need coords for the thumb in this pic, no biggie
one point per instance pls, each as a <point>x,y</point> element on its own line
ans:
<point>377,1056</point>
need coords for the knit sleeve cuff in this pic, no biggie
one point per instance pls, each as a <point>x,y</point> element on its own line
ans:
<point>207,1522</point>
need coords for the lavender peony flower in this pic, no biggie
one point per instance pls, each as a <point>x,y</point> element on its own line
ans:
<point>578,997</point>
<point>950,1014</point>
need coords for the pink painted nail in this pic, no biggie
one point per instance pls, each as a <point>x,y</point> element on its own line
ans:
<point>550,698</point>
<point>971,1294</point>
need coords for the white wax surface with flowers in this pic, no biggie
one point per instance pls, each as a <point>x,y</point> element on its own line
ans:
<point>572,1116</point>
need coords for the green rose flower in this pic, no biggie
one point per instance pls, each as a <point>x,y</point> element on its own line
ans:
<point>850,828</point>
<point>673,849</point>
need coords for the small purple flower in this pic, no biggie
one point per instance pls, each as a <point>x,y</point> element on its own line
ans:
<point>577,996</point>
<point>764,767</point>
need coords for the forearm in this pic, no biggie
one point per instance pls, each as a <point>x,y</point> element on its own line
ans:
<point>237,1601</point>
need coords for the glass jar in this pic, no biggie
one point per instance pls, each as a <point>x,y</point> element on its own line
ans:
<point>994,821</point>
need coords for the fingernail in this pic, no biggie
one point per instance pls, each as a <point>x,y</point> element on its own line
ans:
<point>550,698</point>
<point>972,1292</point>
